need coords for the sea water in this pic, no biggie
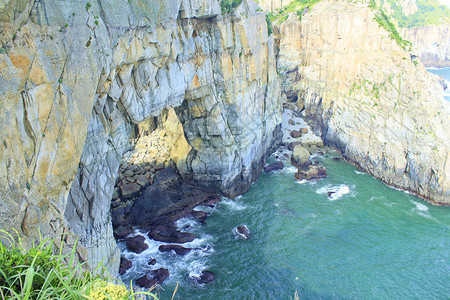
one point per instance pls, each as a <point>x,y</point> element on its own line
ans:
<point>444,72</point>
<point>348,236</point>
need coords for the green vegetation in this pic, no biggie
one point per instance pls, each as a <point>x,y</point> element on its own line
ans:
<point>385,22</point>
<point>39,274</point>
<point>297,6</point>
<point>429,12</point>
<point>88,5</point>
<point>228,5</point>
<point>269,25</point>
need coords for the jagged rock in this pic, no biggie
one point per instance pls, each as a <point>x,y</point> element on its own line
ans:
<point>311,172</point>
<point>130,190</point>
<point>116,193</point>
<point>199,215</point>
<point>151,262</point>
<point>136,244</point>
<point>153,277</point>
<point>168,235</point>
<point>243,231</point>
<point>179,250</point>
<point>291,122</point>
<point>125,264</point>
<point>300,156</point>
<point>292,145</point>
<point>274,167</point>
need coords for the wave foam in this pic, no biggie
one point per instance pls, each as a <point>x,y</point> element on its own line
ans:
<point>233,205</point>
<point>334,192</point>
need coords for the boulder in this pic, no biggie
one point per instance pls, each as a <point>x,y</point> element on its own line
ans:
<point>274,167</point>
<point>311,172</point>
<point>136,244</point>
<point>152,278</point>
<point>125,264</point>
<point>151,262</point>
<point>292,145</point>
<point>295,134</point>
<point>171,236</point>
<point>211,200</point>
<point>180,250</point>
<point>130,190</point>
<point>300,156</point>
<point>142,180</point>
<point>291,122</point>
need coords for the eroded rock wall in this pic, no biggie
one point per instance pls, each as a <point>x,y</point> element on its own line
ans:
<point>76,79</point>
<point>432,43</point>
<point>385,113</point>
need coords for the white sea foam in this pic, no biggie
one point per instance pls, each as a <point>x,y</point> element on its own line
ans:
<point>186,223</point>
<point>334,192</point>
<point>303,181</point>
<point>419,206</point>
<point>233,205</point>
<point>359,172</point>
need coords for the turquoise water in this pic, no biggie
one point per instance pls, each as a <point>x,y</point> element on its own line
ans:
<point>366,241</point>
<point>444,72</point>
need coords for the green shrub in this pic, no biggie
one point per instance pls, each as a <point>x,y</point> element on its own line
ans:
<point>39,274</point>
<point>269,25</point>
<point>384,21</point>
<point>228,5</point>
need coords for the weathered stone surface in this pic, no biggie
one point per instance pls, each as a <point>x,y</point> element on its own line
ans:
<point>243,231</point>
<point>205,277</point>
<point>130,190</point>
<point>73,94</point>
<point>300,156</point>
<point>274,167</point>
<point>384,113</point>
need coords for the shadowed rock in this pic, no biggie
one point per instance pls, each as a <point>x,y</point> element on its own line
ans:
<point>153,277</point>
<point>180,250</point>
<point>311,172</point>
<point>243,231</point>
<point>125,264</point>
<point>274,167</point>
<point>167,235</point>
<point>136,244</point>
<point>199,215</point>
<point>205,277</point>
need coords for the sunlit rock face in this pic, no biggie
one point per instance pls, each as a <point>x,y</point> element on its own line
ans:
<point>385,112</point>
<point>76,79</point>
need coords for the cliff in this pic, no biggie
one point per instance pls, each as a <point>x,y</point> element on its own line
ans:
<point>385,112</point>
<point>432,43</point>
<point>77,78</point>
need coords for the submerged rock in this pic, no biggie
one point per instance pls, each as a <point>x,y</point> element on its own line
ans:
<point>243,231</point>
<point>180,250</point>
<point>153,277</point>
<point>205,277</point>
<point>136,244</point>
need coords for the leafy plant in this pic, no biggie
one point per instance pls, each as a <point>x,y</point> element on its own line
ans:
<point>39,274</point>
<point>384,21</point>
<point>269,25</point>
<point>88,5</point>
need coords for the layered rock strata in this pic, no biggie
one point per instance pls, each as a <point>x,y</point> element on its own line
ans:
<point>385,112</point>
<point>77,78</point>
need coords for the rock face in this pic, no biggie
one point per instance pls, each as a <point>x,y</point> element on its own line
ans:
<point>77,79</point>
<point>432,43</point>
<point>384,112</point>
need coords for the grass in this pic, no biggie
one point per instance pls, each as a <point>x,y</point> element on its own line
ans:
<point>40,274</point>
<point>384,21</point>
<point>297,6</point>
